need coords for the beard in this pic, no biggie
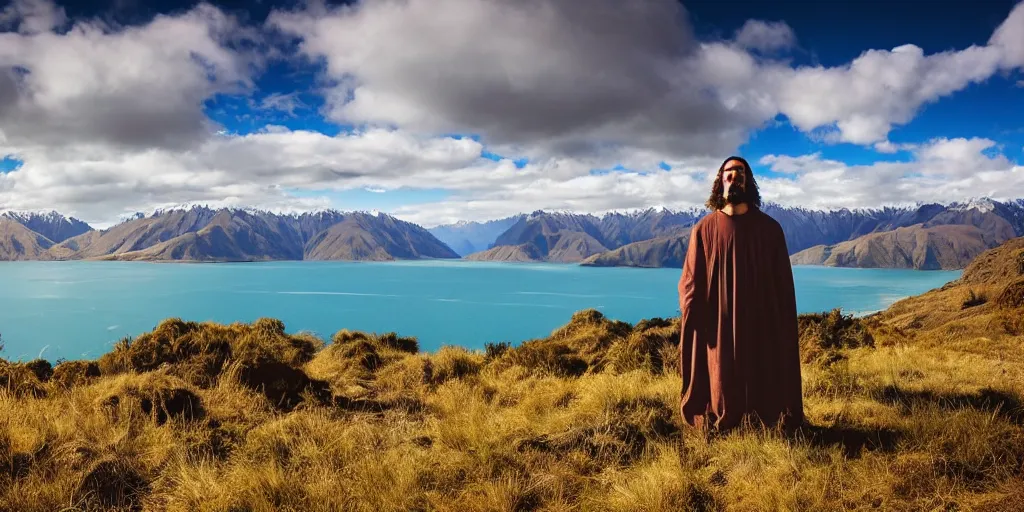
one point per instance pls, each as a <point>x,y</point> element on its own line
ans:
<point>736,196</point>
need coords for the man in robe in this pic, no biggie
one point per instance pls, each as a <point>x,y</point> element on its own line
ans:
<point>739,348</point>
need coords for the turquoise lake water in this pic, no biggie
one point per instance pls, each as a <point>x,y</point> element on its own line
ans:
<point>79,309</point>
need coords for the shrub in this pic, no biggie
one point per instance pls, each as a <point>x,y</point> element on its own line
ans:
<point>346,363</point>
<point>283,385</point>
<point>198,353</point>
<point>266,341</point>
<point>822,334</point>
<point>114,483</point>
<point>156,396</point>
<point>643,350</point>
<point>973,299</point>
<point>344,336</point>
<point>546,356</point>
<point>453,362</point>
<point>402,344</point>
<point>589,334</point>
<point>19,380</point>
<point>69,374</point>
<point>493,351</point>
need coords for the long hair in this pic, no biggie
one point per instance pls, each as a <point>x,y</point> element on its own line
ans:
<point>717,199</point>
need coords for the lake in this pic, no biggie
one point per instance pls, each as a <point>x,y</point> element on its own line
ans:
<point>79,309</point>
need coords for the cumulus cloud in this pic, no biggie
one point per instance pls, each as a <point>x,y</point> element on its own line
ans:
<point>766,36</point>
<point>32,16</point>
<point>538,76</point>
<point>129,86</point>
<point>1009,38</point>
<point>286,103</point>
<point>879,89</point>
<point>97,182</point>
<point>943,170</point>
<point>109,119</point>
<point>581,77</point>
<point>890,147</point>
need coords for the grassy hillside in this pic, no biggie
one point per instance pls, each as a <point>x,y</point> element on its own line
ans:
<point>915,408</point>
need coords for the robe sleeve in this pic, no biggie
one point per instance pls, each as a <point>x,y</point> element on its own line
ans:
<point>692,291</point>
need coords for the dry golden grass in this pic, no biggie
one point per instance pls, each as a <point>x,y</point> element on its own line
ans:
<point>915,408</point>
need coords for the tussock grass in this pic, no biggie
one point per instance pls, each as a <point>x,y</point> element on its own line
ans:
<point>915,408</point>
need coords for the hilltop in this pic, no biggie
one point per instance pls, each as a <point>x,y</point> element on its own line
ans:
<point>916,407</point>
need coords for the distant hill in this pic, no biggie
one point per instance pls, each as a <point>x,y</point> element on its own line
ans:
<point>136,234</point>
<point>361,236</point>
<point>52,225</point>
<point>555,237</point>
<point>665,251</point>
<point>654,238</point>
<point>570,238</point>
<point>467,237</point>
<point>924,236</point>
<point>508,253</point>
<point>227,236</point>
<point>945,247</point>
<point>203,234</point>
<point>944,237</point>
<point>20,243</point>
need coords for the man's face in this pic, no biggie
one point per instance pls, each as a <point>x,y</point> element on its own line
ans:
<point>734,182</point>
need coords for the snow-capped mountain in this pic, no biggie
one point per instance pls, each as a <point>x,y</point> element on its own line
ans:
<point>50,224</point>
<point>467,237</point>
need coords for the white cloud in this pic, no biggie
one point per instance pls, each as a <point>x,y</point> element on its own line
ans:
<point>943,170</point>
<point>886,147</point>
<point>109,119</point>
<point>33,16</point>
<point>287,103</point>
<point>878,90</point>
<point>132,86</point>
<point>798,164</point>
<point>536,77</point>
<point>98,182</point>
<point>579,78</point>
<point>889,147</point>
<point>1009,37</point>
<point>766,36</point>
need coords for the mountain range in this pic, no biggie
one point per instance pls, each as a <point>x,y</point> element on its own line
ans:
<point>204,234</point>
<point>467,237</point>
<point>928,236</point>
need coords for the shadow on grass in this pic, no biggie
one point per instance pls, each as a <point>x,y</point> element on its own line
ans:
<point>989,400</point>
<point>853,439</point>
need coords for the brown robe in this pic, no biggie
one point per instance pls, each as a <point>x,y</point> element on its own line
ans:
<point>739,347</point>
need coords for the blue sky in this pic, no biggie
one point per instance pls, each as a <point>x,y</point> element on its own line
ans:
<point>454,110</point>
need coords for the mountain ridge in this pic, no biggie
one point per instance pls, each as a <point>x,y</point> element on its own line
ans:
<point>631,242</point>
<point>202,234</point>
<point>641,237</point>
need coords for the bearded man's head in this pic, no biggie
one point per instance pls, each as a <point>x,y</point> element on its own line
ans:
<point>734,184</point>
